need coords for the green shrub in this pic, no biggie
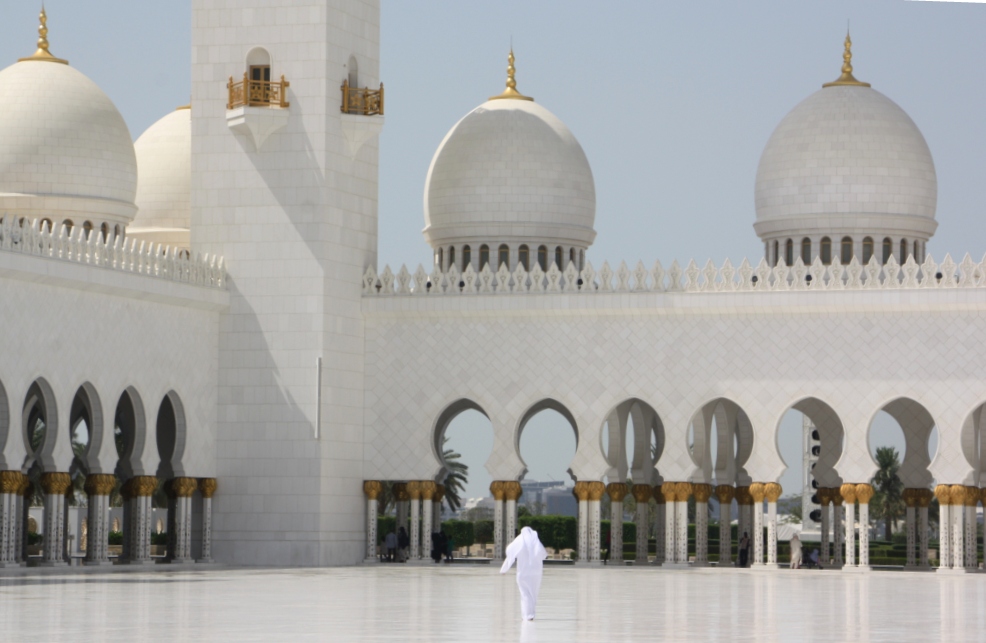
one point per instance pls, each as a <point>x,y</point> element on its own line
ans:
<point>385,525</point>
<point>34,539</point>
<point>460,531</point>
<point>115,538</point>
<point>159,539</point>
<point>557,532</point>
<point>483,531</point>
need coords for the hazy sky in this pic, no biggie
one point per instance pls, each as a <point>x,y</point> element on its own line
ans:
<point>672,103</point>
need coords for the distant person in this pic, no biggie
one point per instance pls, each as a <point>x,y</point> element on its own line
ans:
<point>390,542</point>
<point>744,549</point>
<point>403,542</point>
<point>529,554</point>
<point>795,552</point>
<point>437,546</point>
<point>813,559</point>
<point>449,548</point>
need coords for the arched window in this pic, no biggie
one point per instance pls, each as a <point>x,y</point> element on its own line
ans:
<point>87,228</point>
<point>466,257</point>
<point>867,249</point>
<point>806,250</point>
<point>888,249</point>
<point>116,230</point>
<point>451,256</point>
<point>777,256</point>
<point>846,250</point>
<point>258,64</point>
<point>571,255</point>
<point>903,250</point>
<point>105,230</point>
<point>353,69</point>
<point>441,259</point>
<point>484,256</point>
<point>503,257</point>
<point>68,225</point>
<point>543,257</point>
<point>523,256</point>
<point>789,252</point>
<point>559,255</point>
<point>826,250</point>
<point>46,222</point>
<point>581,259</point>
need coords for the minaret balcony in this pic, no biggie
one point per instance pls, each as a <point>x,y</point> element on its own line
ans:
<point>362,101</point>
<point>362,116</point>
<point>257,93</point>
<point>257,108</point>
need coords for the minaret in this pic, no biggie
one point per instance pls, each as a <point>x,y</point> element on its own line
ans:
<point>285,191</point>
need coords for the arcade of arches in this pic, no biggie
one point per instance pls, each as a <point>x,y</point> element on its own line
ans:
<point>844,506</point>
<point>45,475</point>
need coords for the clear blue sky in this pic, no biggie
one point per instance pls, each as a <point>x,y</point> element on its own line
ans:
<point>672,102</point>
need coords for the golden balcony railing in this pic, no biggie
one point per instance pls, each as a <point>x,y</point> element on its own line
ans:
<point>365,101</point>
<point>257,93</point>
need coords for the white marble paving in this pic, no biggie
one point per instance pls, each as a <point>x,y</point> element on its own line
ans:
<point>465,603</point>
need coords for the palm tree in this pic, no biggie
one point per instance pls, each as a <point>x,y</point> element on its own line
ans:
<point>457,478</point>
<point>888,501</point>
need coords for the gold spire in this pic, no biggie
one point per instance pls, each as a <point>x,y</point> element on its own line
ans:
<point>511,90</point>
<point>846,78</point>
<point>42,53</point>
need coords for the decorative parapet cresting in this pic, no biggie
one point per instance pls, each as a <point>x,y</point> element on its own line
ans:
<point>692,279</point>
<point>113,253</point>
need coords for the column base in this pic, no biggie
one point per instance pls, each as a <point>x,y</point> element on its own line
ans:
<point>137,563</point>
<point>588,563</point>
<point>704,563</point>
<point>667,565</point>
<point>205,561</point>
<point>48,563</point>
<point>727,563</point>
<point>11,565</point>
<point>176,562</point>
<point>96,563</point>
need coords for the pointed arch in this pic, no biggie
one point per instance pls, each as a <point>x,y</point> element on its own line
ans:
<point>131,423</point>
<point>917,424</point>
<point>39,404</point>
<point>543,405</point>
<point>86,406</point>
<point>648,442</point>
<point>4,427</point>
<point>734,442</point>
<point>171,434</point>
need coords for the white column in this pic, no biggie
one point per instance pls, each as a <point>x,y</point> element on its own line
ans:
<point>958,534</point>
<point>772,534</point>
<point>702,492</point>
<point>725,531</point>
<point>510,520</point>
<point>850,531</point>
<point>583,530</point>
<point>496,488</point>
<point>616,495</point>
<point>670,532</point>
<point>757,532</point>
<point>944,534</point>
<point>140,533</point>
<point>660,529</point>
<point>838,531</point>
<point>55,485</point>
<point>864,534</point>
<point>971,558</point>
<point>10,484</point>
<point>98,488</point>
<point>371,525</point>
<point>594,528</point>
<point>823,556</point>
<point>415,525</point>
<point>641,522</point>
<point>207,487</point>
<point>910,517</point>
<point>681,531</point>
<point>923,537</point>
<point>426,526</point>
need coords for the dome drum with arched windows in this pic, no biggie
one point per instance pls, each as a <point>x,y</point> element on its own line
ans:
<point>846,174</point>
<point>65,151</point>
<point>509,181</point>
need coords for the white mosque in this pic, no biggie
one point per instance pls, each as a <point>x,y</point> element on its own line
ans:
<point>234,337</point>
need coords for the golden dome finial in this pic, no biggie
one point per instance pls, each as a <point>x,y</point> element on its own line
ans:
<point>511,90</point>
<point>42,53</point>
<point>846,78</point>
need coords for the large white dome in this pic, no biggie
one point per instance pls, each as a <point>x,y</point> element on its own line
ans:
<point>164,176</point>
<point>510,172</point>
<point>846,160</point>
<point>65,150</point>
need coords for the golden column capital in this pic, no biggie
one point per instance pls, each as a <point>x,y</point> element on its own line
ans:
<point>11,481</point>
<point>864,492</point>
<point>596,490</point>
<point>512,490</point>
<point>982,496</point>
<point>971,496</point>
<point>944,494</point>
<point>835,495</point>
<point>372,489</point>
<point>772,491</point>
<point>909,497</point>
<point>848,493</point>
<point>183,487</point>
<point>55,483</point>
<point>924,497</point>
<point>743,496</point>
<point>143,486</point>
<point>725,493</point>
<point>957,494</point>
<point>99,484</point>
<point>428,489</point>
<point>400,491</point>
<point>439,493</point>
<point>682,491</point>
<point>207,486</point>
<point>581,491</point>
<point>757,492</point>
<point>824,497</point>
<point>496,488</point>
<point>669,490</point>
<point>618,491</point>
<point>643,492</point>
<point>26,486</point>
<point>414,490</point>
<point>657,494</point>
<point>702,492</point>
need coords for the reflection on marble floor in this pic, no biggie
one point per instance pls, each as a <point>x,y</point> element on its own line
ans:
<point>466,603</point>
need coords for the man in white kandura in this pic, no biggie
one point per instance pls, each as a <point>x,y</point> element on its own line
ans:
<point>529,553</point>
<point>795,552</point>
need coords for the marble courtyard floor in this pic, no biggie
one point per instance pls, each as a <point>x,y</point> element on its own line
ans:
<point>473,603</point>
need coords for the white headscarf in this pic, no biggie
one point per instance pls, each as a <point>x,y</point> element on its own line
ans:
<point>527,550</point>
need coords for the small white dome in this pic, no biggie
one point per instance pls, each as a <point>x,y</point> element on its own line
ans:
<point>65,150</point>
<point>846,159</point>
<point>164,176</point>
<point>510,171</point>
